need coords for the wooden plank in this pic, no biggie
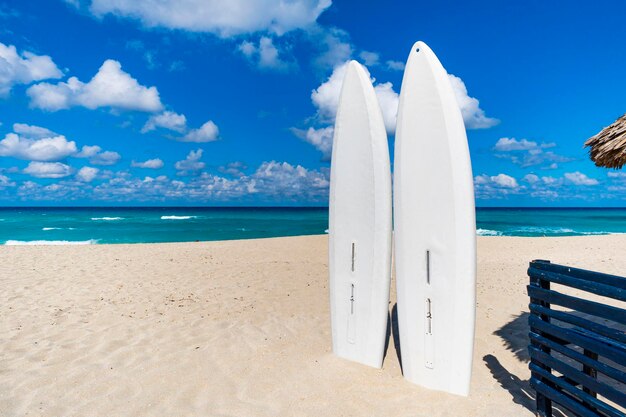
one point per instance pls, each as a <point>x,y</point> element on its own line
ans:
<point>600,338</point>
<point>576,375</point>
<point>562,399</point>
<point>574,391</point>
<point>612,280</point>
<point>603,368</point>
<point>609,352</point>
<point>589,370</point>
<point>581,284</point>
<point>590,307</point>
<point>544,404</point>
<point>567,317</point>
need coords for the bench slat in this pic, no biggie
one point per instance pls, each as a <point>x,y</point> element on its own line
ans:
<point>612,280</point>
<point>605,369</point>
<point>562,399</point>
<point>576,375</point>
<point>579,283</point>
<point>584,306</point>
<point>579,321</point>
<point>602,349</point>
<point>574,391</point>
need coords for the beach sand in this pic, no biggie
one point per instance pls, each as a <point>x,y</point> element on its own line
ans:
<point>241,328</point>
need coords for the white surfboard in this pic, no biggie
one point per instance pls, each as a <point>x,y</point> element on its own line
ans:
<point>435,229</point>
<point>359,223</point>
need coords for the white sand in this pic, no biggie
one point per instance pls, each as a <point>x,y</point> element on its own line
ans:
<point>240,328</point>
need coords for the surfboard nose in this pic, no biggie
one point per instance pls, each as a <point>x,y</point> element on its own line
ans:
<point>420,46</point>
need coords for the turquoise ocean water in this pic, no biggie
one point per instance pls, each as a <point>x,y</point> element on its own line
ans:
<point>142,225</point>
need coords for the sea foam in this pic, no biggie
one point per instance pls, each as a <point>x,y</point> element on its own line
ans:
<point>177,217</point>
<point>107,218</point>
<point>50,242</point>
<point>487,232</point>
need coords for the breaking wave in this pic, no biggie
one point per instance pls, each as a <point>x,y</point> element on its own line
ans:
<point>487,232</point>
<point>50,242</point>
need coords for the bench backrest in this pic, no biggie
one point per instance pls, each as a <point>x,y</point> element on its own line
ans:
<point>578,349</point>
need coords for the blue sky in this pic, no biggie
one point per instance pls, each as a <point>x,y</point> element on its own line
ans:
<point>204,102</point>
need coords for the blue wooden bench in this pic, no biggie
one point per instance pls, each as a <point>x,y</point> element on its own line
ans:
<point>577,352</point>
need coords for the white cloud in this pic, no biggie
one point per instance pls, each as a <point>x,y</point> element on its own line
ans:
<point>321,139</point>
<point>369,58</point>
<point>73,3</point>
<point>578,178</point>
<point>32,132</point>
<point>110,87</point>
<point>105,158</point>
<point>326,98</point>
<point>150,163</point>
<point>208,132</point>
<point>247,48</point>
<point>170,120</point>
<point>87,174</point>
<point>545,194</point>
<point>388,101</point>
<point>395,65</point>
<point>334,47</point>
<point>531,178</point>
<point>528,153</point>
<point>48,170</point>
<point>495,186</point>
<point>512,144</point>
<point>6,182</point>
<point>272,181</point>
<point>266,55</point>
<point>473,116</point>
<point>97,156</point>
<point>191,163</point>
<point>88,151</point>
<point>52,148</point>
<point>234,169</point>
<point>282,179</point>
<point>614,174</point>
<point>166,120</point>
<point>223,18</point>
<point>549,180</point>
<point>23,68</point>
<point>504,180</point>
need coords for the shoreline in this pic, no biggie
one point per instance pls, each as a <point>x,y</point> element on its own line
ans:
<point>242,327</point>
<point>46,243</point>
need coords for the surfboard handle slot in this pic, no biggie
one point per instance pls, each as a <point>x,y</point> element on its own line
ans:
<point>427,267</point>
<point>429,317</point>
<point>353,253</point>
<point>352,299</point>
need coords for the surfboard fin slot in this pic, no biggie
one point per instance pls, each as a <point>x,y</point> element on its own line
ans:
<point>429,317</point>
<point>352,318</point>
<point>353,255</point>
<point>429,340</point>
<point>427,267</point>
<point>352,299</point>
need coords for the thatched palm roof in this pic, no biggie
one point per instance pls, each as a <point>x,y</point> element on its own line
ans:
<point>608,148</point>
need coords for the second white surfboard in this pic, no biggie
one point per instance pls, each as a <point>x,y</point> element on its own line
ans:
<point>435,229</point>
<point>360,223</point>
